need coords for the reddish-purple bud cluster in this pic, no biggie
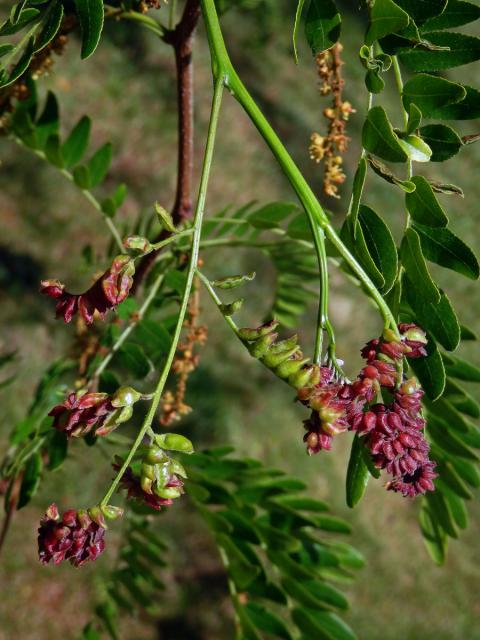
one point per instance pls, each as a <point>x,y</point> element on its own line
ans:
<point>74,537</point>
<point>393,433</point>
<point>80,413</point>
<point>132,484</point>
<point>105,294</point>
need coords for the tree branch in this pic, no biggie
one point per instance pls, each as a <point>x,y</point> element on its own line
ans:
<point>181,39</point>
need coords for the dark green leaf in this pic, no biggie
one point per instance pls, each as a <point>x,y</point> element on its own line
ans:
<point>416,268</point>
<point>444,248</point>
<point>322,625</point>
<point>414,118</point>
<point>423,205</point>
<point>267,621</point>
<point>430,371</point>
<point>156,336</point>
<point>461,369</point>
<point>457,508</point>
<point>49,120</point>
<point>443,408</point>
<point>447,441</point>
<point>31,479</point>
<point>90,16</point>
<point>379,138</point>
<point>380,244</point>
<point>81,176</point>
<point>462,400</point>
<point>385,17</point>
<point>439,510</point>
<point>373,81</point>
<point>360,250</point>
<point>278,540</point>
<point>357,473</point>
<point>438,318</point>
<point>467,471</point>
<point>300,503</point>
<point>99,164</point>
<point>442,140</point>
<point>240,568</point>
<point>358,183</point>
<point>421,10</point>
<point>452,480</point>
<point>430,92</point>
<point>28,15</point>
<point>462,49</point>
<point>288,566</point>
<point>76,144</point>
<point>456,14</point>
<point>51,26</point>
<point>332,523</point>
<point>57,450</point>
<point>20,67</point>
<point>53,151</point>
<point>132,357</point>
<point>322,25</point>
<point>434,538</point>
<point>466,109</point>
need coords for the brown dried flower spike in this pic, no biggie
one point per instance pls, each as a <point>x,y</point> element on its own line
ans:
<point>330,147</point>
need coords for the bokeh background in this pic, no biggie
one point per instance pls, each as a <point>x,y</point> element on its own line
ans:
<point>128,88</point>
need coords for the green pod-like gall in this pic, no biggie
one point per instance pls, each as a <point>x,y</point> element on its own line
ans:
<point>289,367</point>
<point>96,514</point>
<point>176,468</point>
<point>111,512</point>
<point>155,455</point>
<point>284,345</point>
<point>125,397</point>
<point>174,442</point>
<point>308,376</point>
<point>253,334</point>
<point>169,493</point>
<point>261,346</point>
<point>272,360</point>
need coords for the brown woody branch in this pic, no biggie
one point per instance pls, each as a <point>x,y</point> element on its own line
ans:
<point>181,39</point>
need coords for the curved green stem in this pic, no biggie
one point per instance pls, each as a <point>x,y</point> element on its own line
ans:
<point>221,65</point>
<point>134,16</point>
<point>192,265</point>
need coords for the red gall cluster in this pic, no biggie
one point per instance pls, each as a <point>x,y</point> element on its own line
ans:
<point>105,294</point>
<point>74,537</point>
<point>393,433</point>
<point>83,412</point>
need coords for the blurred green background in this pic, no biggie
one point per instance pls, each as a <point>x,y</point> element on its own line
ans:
<point>128,88</point>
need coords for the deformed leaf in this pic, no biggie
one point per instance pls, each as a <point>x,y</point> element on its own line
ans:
<point>384,172</point>
<point>231,282</point>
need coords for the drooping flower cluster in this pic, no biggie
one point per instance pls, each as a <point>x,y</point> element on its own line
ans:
<point>393,433</point>
<point>105,294</point>
<point>83,412</point>
<point>74,537</point>
<point>331,146</point>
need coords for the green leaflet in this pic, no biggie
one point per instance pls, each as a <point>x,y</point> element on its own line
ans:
<point>380,244</point>
<point>357,473</point>
<point>414,118</point>
<point>438,318</point>
<point>90,16</point>
<point>461,369</point>
<point>385,17</point>
<point>429,92</point>
<point>99,164</point>
<point>433,536</point>
<point>322,25</point>
<point>270,215</point>
<point>416,268</point>
<point>53,21</point>
<point>358,184</point>
<point>322,625</point>
<point>421,10</point>
<point>379,138</point>
<point>423,205</point>
<point>266,621</point>
<point>442,140</point>
<point>75,146</point>
<point>430,371</point>
<point>31,479</point>
<point>456,14</point>
<point>444,248</point>
<point>132,357</point>
<point>462,49</point>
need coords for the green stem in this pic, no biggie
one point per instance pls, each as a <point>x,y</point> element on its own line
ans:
<point>208,285</point>
<point>86,194</point>
<point>221,65</point>
<point>172,238</point>
<point>192,265</point>
<point>135,16</point>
